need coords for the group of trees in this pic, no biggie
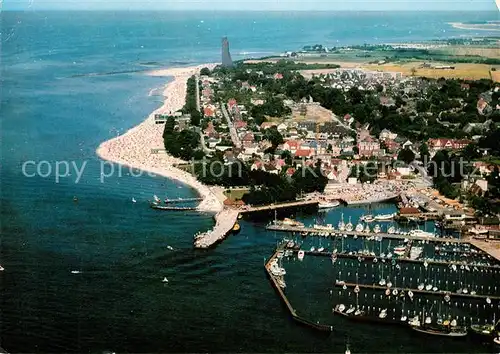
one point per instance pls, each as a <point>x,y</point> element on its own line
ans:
<point>272,107</point>
<point>184,144</point>
<point>190,107</point>
<point>265,187</point>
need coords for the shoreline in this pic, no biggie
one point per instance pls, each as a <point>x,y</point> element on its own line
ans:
<point>133,148</point>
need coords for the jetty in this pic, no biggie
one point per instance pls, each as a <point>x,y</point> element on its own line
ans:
<point>291,310</point>
<point>163,207</point>
<point>417,291</point>
<point>355,255</point>
<point>277,206</point>
<point>311,230</point>
<point>182,200</point>
<point>224,223</point>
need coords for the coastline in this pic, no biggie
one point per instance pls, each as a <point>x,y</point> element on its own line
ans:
<point>133,148</point>
<point>489,26</point>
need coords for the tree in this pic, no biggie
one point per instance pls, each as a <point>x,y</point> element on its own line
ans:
<point>205,71</point>
<point>406,155</point>
<point>274,136</point>
<point>424,153</point>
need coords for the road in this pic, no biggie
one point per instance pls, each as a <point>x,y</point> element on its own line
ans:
<point>232,130</point>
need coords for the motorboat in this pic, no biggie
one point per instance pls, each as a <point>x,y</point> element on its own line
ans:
<point>428,287</point>
<point>350,310</point>
<point>312,249</point>
<point>421,286</point>
<point>415,252</point>
<point>156,199</point>
<point>421,233</point>
<point>367,218</point>
<point>73,272</point>
<point>400,250</point>
<point>133,200</point>
<point>385,217</point>
<point>359,227</point>
<point>165,280</point>
<point>410,294</point>
<point>381,282</point>
<point>377,229</point>
<point>340,308</point>
<point>328,204</point>
<point>300,255</point>
<point>321,249</point>
<point>391,230</point>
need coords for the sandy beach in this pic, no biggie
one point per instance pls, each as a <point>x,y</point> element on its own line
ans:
<point>133,149</point>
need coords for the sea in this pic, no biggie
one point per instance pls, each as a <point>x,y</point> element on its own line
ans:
<point>83,264</point>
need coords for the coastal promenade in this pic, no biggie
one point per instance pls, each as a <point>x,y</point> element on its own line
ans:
<point>492,248</point>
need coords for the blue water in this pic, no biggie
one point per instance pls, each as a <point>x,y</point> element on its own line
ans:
<point>70,80</point>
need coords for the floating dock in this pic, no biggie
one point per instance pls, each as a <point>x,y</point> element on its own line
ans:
<point>291,310</point>
<point>416,291</point>
<point>289,228</point>
<point>399,259</point>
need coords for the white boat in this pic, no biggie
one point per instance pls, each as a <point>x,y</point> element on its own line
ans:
<point>385,217</point>
<point>170,248</point>
<point>415,252</point>
<point>133,200</point>
<point>421,233</point>
<point>350,310</point>
<point>341,308</point>
<point>377,229</point>
<point>497,340</point>
<point>321,249</point>
<point>300,255</point>
<point>391,230</point>
<point>359,227</point>
<point>75,272</point>
<point>328,204</point>
<point>156,199</point>
<point>400,250</point>
<point>428,320</point>
<point>367,229</point>
<point>1,268</point>
<point>414,322</point>
<point>281,283</point>
<point>383,313</point>
<point>367,218</point>
<point>404,318</point>
<point>381,282</point>
<point>410,294</point>
<point>453,323</point>
<point>165,280</point>
<point>389,284</point>
<point>349,227</point>
<point>312,249</point>
<point>428,287</point>
<point>421,286</point>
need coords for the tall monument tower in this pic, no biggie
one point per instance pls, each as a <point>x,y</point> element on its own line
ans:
<point>226,56</point>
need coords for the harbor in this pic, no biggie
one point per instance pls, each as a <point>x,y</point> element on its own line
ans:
<point>433,285</point>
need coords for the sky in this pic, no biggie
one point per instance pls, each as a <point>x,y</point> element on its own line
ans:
<point>256,5</point>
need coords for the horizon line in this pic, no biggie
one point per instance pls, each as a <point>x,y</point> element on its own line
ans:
<point>234,10</point>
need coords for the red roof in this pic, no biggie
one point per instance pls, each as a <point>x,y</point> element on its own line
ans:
<point>240,124</point>
<point>406,211</point>
<point>290,171</point>
<point>208,112</point>
<point>302,153</point>
<point>292,143</point>
<point>248,137</point>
